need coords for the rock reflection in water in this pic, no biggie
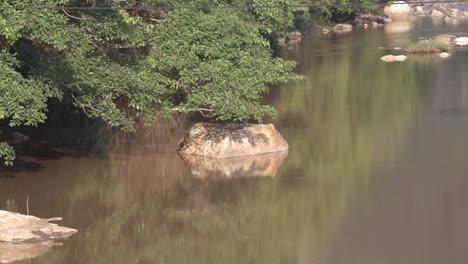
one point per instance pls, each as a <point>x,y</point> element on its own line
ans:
<point>11,252</point>
<point>399,26</point>
<point>247,166</point>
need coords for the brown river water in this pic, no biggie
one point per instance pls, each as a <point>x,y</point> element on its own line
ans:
<point>377,171</point>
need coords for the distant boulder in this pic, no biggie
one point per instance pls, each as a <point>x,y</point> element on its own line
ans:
<point>457,13</point>
<point>437,14</point>
<point>420,11</point>
<point>231,140</point>
<point>397,10</point>
<point>343,27</point>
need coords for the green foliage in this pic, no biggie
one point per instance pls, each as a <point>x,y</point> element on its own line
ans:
<point>7,154</point>
<point>125,66</point>
<point>324,11</point>
<point>221,73</point>
<point>428,46</point>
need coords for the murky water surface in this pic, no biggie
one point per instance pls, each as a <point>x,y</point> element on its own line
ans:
<point>377,171</point>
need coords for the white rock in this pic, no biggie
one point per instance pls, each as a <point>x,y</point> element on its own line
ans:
<point>444,54</point>
<point>393,58</point>
<point>461,41</point>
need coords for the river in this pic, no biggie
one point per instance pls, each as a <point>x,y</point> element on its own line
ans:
<point>377,171</point>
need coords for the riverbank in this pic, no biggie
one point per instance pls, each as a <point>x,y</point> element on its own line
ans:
<point>392,12</point>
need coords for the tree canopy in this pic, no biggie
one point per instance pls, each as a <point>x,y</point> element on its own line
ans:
<point>127,65</point>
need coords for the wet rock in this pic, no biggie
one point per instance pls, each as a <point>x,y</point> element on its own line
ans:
<point>231,140</point>
<point>397,10</point>
<point>393,58</point>
<point>11,252</point>
<point>462,41</point>
<point>343,27</point>
<point>247,166</point>
<point>16,227</point>
<point>445,38</point>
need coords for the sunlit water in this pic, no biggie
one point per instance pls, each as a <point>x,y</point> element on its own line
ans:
<point>377,171</point>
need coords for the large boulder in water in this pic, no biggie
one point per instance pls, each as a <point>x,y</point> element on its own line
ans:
<point>16,227</point>
<point>231,140</point>
<point>397,10</point>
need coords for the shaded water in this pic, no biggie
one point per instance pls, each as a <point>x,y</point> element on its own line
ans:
<point>376,172</point>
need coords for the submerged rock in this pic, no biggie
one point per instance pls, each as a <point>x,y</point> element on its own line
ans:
<point>11,252</point>
<point>16,228</point>
<point>393,58</point>
<point>397,10</point>
<point>247,166</point>
<point>231,140</point>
